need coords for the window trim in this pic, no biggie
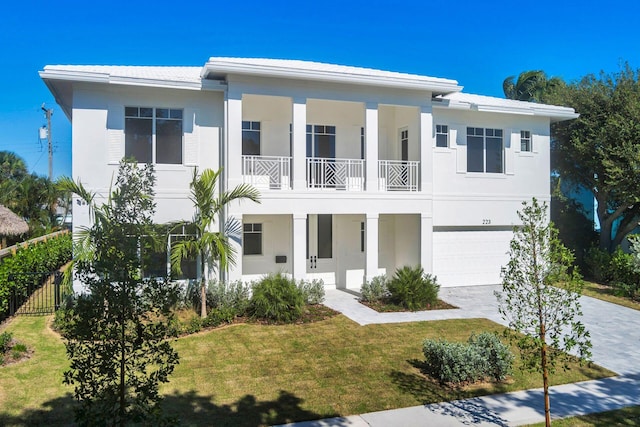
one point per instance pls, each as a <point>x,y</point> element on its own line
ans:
<point>171,112</point>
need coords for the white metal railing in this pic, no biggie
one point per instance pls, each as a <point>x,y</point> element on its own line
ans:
<point>398,175</point>
<point>267,172</point>
<point>339,174</point>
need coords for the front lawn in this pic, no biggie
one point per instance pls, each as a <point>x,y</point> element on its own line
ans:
<point>619,417</point>
<point>252,374</point>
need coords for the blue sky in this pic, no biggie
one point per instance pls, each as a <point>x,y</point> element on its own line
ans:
<point>478,43</point>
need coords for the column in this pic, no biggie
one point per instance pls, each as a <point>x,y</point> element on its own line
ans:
<point>426,243</point>
<point>299,246</point>
<point>371,246</point>
<point>235,241</point>
<point>233,166</point>
<point>299,154</point>
<point>426,149</point>
<point>371,146</point>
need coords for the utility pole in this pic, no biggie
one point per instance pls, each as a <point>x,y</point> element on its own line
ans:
<point>48,113</point>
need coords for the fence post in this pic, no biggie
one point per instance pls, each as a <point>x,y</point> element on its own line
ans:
<point>57,280</point>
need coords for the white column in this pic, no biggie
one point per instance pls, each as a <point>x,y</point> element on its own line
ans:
<point>233,166</point>
<point>299,246</point>
<point>235,271</point>
<point>426,243</point>
<point>371,146</point>
<point>299,154</point>
<point>426,149</point>
<point>371,247</point>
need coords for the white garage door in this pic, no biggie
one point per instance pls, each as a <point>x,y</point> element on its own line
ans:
<point>470,257</point>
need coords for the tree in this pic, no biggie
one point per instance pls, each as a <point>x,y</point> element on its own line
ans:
<point>540,297</point>
<point>212,248</point>
<point>116,334</point>
<point>600,150</point>
<point>530,86</point>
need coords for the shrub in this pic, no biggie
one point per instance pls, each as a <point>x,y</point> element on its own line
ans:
<point>276,297</point>
<point>218,316</point>
<point>598,265</point>
<point>412,288</point>
<point>18,350</point>
<point>313,291</point>
<point>376,290</point>
<point>483,356</point>
<point>233,296</point>
<point>5,341</point>
<point>496,355</point>
<point>624,278</point>
<point>452,362</point>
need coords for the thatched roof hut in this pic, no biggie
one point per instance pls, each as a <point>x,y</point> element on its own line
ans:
<point>11,225</point>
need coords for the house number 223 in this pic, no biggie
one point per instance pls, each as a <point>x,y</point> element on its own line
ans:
<point>486,221</point>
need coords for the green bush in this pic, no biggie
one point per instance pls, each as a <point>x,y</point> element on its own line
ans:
<point>412,288</point>
<point>43,257</point>
<point>312,291</point>
<point>496,355</point>
<point>624,278</point>
<point>375,290</point>
<point>483,356</point>
<point>5,341</point>
<point>233,296</point>
<point>276,297</point>
<point>598,265</point>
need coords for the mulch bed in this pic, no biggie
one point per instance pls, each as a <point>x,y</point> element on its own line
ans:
<point>386,306</point>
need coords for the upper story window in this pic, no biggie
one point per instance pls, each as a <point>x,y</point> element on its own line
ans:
<point>153,135</point>
<point>525,140</point>
<point>321,141</point>
<point>404,144</point>
<point>250,138</point>
<point>485,150</point>
<point>362,146</point>
<point>442,136</point>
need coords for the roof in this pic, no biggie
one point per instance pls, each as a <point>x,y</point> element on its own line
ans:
<point>309,70</point>
<point>466,101</point>
<point>11,224</point>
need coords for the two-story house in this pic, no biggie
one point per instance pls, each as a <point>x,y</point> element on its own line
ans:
<point>361,171</point>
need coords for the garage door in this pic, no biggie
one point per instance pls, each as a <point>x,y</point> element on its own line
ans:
<point>470,257</point>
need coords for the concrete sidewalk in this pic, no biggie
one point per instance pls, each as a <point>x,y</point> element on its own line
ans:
<point>615,335</point>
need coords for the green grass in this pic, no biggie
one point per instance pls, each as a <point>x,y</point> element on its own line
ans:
<point>620,417</point>
<point>607,293</point>
<point>252,374</point>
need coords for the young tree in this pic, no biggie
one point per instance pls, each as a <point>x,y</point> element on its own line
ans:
<point>117,332</point>
<point>540,297</point>
<point>212,248</point>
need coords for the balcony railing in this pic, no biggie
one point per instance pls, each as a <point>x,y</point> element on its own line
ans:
<point>339,174</point>
<point>398,175</point>
<point>267,172</point>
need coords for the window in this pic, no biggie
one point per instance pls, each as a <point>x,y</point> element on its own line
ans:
<point>442,136</point>
<point>525,140</point>
<point>325,236</point>
<point>321,141</point>
<point>154,259</point>
<point>250,138</point>
<point>252,239</point>
<point>362,147</point>
<point>484,150</point>
<point>153,135</point>
<point>404,144</point>
<point>189,265</point>
<point>362,237</point>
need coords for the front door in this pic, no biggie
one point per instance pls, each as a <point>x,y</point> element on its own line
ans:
<point>321,263</point>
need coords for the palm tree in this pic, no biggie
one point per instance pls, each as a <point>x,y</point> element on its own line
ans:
<point>530,86</point>
<point>212,249</point>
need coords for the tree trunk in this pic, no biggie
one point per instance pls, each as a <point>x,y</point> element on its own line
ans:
<point>545,377</point>
<point>203,298</point>
<point>605,235</point>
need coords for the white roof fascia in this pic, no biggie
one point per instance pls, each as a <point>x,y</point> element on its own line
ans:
<point>531,108</point>
<point>406,81</point>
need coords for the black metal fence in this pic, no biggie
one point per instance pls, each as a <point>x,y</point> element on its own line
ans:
<point>43,294</point>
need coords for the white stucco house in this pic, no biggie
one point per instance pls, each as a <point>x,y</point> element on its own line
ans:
<point>361,171</point>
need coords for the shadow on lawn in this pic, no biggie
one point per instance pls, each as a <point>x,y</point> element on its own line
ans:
<point>189,409</point>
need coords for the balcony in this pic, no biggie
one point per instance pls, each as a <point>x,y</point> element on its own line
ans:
<point>398,175</point>
<point>338,174</point>
<point>267,172</point>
